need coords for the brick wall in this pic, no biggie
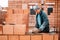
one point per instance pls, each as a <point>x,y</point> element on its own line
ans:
<point>17,17</point>
<point>29,37</point>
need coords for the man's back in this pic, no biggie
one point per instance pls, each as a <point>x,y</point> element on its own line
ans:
<point>44,22</point>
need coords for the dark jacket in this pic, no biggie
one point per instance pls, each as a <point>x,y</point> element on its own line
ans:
<point>44,22</point>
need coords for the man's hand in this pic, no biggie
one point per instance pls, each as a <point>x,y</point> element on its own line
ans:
<point>35,30</point>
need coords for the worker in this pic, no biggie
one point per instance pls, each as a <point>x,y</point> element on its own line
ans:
<point>42,22</point>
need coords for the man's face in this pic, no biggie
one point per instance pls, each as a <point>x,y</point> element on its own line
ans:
<point>37,11</point>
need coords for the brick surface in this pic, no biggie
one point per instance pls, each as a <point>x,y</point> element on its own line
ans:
<point>16,19</point>
<point>19,29</point>
<point>56,37</point>
<point>13,37</point>
<point>21,18</point>
<point>10,11</point>
<point>25,37</point>
<point>13,4</point>
<point>7,29</point>
<point>1,29</point>
<point>47,37</point>
<point>8,18</point>
<point>11,19</point>
<point>16,11</point>
<point>32,20</point>
<point>26,11</point>
<point>33,1</point>
<point>36,37</point>
<point>2,37</point>
<point>20,11</point>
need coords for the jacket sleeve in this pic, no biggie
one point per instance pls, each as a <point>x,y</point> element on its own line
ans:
<point>45,21</point>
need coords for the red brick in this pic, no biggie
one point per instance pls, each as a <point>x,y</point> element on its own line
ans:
<point>11,19</point>
<point>8,29</point>
<point>13,37</point>
<point>3,37</point>
<point>20,19</point>
<point>14,18</point>
<point>1,29</point>
<point>8,19</point>
<point>20,11</point>
<point>50,1</point>
<point>56,37</point>
<point>33,1</point>
<point>10,11</point>
<point>26,11</point>
<point>15,11</point>
<point>25,37</point>
<point>47,37</point>
<point>36,37</point>
<point>19,29</point>
<point>12,4</point>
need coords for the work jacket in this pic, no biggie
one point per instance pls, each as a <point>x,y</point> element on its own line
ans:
<point>44,22</point>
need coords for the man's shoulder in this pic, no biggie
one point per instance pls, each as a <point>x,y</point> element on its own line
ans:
<point>43,13</point>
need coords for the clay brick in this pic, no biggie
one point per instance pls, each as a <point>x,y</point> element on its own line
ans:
<point>13,37</point>
<point>12,4</point>
<point>14,18</point>
<point>11,19</point>
<point>36,37</point>
<point>3,37</point>
<point>19,3</point>
<point>17,19</point>
<point>33,1</point>
<point>20,19</point>
<point>1,28</point>
<point>10,11</point>
<point>8,29</point>
<point>19,29</point>
<point>20,11</point>
<point>8,21</point>
<point>15,11</point>
<point>26,11</point>
<point>25,37</point>
<point>20,22</point>
<point>8,18</point>
<point>56,37</point>
<point>47,37</point>
<point>50,1</point>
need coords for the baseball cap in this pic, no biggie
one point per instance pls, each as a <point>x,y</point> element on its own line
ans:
<point>36,7</point>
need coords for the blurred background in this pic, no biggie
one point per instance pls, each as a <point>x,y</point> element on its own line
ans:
<point>17,15</point>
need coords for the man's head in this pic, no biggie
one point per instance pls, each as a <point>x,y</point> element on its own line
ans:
<point>37,9</point>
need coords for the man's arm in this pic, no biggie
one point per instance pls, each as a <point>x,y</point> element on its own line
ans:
<point>45,22</point>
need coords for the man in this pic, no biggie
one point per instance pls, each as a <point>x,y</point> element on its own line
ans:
<point>42,22</point>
